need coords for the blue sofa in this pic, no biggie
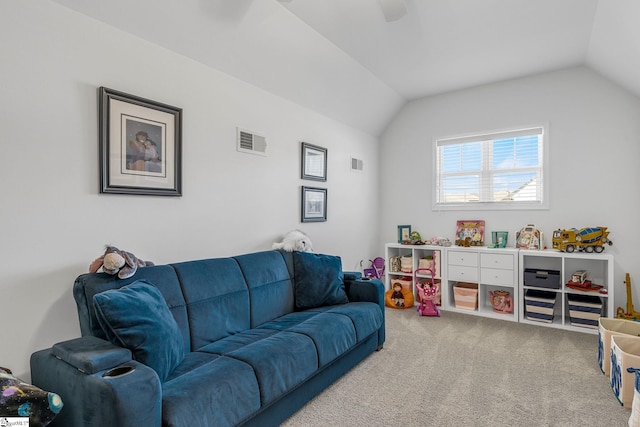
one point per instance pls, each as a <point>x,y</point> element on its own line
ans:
<point>245,340</point>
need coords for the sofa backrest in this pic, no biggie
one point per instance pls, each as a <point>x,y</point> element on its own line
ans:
<point>269,277</point>
<point>210,299</point>
<point>217,299</point>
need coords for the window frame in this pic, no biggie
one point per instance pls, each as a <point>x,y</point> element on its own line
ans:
<point>543,204</point>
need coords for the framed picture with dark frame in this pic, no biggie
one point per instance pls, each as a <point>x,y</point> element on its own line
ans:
<point>314,204</point>
<point>314,162</point>
<point>140,145</point>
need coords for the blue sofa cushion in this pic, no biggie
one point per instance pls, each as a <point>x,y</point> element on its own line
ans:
<point>333,334</point>
<point>281,362</point>
<point>137,317</point>
<point>221,392</point>
<point>318,280</point>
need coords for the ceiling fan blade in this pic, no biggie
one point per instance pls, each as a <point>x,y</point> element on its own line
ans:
<point>393,9</point>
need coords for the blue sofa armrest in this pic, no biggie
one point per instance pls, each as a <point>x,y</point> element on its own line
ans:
<point>99,384</point>
<point>369,290</point>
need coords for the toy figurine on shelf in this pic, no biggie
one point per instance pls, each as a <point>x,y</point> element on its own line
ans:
<point>580,282</point>
<point>529,237</point>
<point>588,239</point>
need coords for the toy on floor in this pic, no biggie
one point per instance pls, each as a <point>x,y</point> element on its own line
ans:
<point>295,240</point>
<point>376,270</point>
<point>114,261</point>
<point>427,292</point>
<point>400,295</point>
<point>630,314</point>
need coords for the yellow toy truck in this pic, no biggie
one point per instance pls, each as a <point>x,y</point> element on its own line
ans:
<point>588,239</point>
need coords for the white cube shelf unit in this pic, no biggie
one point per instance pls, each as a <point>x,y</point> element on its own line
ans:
<point>491,269</point>
<point>416,252</point>
<point>601,272</point>
<point>503,269</point>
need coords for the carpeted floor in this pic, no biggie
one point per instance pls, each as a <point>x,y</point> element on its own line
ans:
<point>463,370</point>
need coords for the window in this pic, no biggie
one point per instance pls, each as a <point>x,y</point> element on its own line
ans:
<point>498,170</point>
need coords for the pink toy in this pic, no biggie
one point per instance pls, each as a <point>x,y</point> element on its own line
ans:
<point>426,294</point>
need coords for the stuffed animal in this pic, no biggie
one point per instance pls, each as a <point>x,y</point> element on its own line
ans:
<point>295,240</point>
<point>114,261</point>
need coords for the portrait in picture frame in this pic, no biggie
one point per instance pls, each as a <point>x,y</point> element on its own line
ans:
<point>140,145</point>
<point>313,204</point>
<point>313,162</point>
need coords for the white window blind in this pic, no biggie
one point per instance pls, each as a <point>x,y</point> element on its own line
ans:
<point>492,170</point>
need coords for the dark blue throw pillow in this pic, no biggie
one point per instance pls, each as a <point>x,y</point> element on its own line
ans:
<point>318,280</point>
<point>137,317</point>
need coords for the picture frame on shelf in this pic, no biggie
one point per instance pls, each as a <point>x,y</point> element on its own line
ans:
<point>313,204</point>
<point>404,233</point>
<point>313,162</point>
<point>470,232</point>
<point>140,145</point>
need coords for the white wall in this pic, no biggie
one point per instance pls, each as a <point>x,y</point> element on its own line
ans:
<point>594,142</point>
<point>53,220</point>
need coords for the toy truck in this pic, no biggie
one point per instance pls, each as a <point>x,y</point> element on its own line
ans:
<point>588,239</point>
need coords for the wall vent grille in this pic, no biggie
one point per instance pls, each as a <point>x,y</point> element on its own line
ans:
<point>252,143</point>
<point>357,165</point>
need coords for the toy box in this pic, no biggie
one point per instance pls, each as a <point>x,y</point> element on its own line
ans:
<point>465,295</point>
<point>539,305</point>
<point>608,328</point>
<point>584,310</point>
<point>625,355</point>
<point>542,278</point>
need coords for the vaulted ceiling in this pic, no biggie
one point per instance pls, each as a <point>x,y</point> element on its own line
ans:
<point>342,59</point>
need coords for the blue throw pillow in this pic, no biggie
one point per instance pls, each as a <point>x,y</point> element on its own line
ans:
<point>318,280</point>
<point>137,317</point>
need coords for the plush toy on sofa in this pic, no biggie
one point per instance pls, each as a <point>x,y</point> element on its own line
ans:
<point>295,240</point>
<point>114,261</point>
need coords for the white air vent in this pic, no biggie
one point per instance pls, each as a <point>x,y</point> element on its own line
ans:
<point>357,165</point>
<point>249,142</point>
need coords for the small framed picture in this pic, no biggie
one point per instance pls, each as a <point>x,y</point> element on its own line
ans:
<point>404,233</point>
<point>140,145</point>
<point>470,233</point>
<point>314,204</point>
<point>314,162</point>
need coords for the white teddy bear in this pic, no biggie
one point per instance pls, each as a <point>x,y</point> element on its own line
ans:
<point>295,240</point>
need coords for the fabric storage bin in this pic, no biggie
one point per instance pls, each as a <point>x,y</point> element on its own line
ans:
<point>539,305</point>
<point>394,264</point>
<point>466,295</point>
<point>608,328</point>
<point>625,357</point>
<point>634,418</point>
<point>542,278</point>
<point>406,264</point>
<point>584,310</point>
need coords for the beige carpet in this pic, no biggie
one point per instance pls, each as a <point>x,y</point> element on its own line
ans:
<point>463,370</point>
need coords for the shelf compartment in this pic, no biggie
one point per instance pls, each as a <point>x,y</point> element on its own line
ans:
<point>465,296</point>
<point>584,310</point>
<point>540,305</point>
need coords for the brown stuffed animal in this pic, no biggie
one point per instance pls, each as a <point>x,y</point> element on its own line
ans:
<point>114,261</point>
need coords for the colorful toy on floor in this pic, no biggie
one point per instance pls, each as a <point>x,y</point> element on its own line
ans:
<point>376,270</point>
<point>427,292</point>
<point>630,314</point>
<point>400,295</point>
